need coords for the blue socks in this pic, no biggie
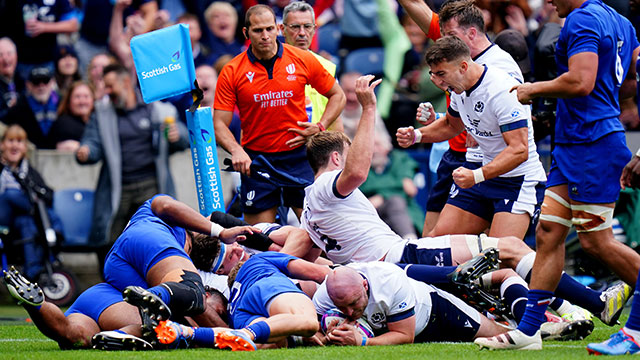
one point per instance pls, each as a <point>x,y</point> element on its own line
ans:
<point>162,292</point>
<point>576,293</point>
<point>261,332</point>
<point>534,315</point>
<point>204,336</point>
<point>633,322</point>
<point>428,273</point>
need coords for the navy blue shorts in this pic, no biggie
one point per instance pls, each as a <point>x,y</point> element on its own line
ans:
<point>93,301</point>
<point>254,301</point>
<point>426,252</point>
<point>451,320</point>
<point>439,193</point>
<point>258,194</point>
<point>591,171</point>
<point>512,194</point>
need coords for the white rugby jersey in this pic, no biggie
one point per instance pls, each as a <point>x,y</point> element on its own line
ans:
<point>347,228</point>
<point>392,294</point>
<point>494,56</point>
<point>487,110</point>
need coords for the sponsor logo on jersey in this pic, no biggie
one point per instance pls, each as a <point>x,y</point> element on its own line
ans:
<point>377,318</point>
<point>467,324</point>
<point>273,98</point>
<point>453,192</point>
<point>478,107</point>
<point>250,76</point>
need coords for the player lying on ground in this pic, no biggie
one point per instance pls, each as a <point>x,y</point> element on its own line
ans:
<point>99,317</point>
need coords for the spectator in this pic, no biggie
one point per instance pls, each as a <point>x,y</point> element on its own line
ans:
<point>11,84</point>
<point>120,36</point>
<point>390,188</point>
<point>222,21</point>
<point>94,32</point>
<point>67,70</point>
<point>20,186</point>
<point>43,20</point>
<point>201,52</point>
<point>73,115</point>
<point>352,109</point>
<point>94,74</point>
<point>43,102</point>
<point>126,135</point>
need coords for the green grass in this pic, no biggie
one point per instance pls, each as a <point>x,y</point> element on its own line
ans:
<point>21,340</point>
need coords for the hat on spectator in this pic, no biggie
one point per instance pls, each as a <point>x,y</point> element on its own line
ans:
<point>65,50</point>
<point>39,75</point>
<point>515,44</point>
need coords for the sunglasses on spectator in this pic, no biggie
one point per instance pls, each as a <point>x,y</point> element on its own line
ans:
<point>298,27</point>
<point>40,81</point>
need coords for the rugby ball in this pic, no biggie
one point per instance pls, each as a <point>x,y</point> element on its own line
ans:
<point>335,317</point>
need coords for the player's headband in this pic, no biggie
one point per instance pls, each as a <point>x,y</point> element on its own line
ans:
<point>217,262</point>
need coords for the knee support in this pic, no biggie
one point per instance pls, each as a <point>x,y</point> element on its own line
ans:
<point>555,209</point>
<point>591,217</point>
<point>187,296</point>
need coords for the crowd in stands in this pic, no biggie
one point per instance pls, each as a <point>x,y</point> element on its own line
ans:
<point>53,54</point>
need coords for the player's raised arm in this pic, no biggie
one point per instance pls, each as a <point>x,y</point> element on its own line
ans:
<point>360,153</point>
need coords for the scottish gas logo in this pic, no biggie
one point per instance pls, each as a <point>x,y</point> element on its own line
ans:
<point>206,136</point>
<point>172,66</point>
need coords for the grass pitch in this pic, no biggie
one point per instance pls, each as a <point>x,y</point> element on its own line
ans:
<point>21,340</point>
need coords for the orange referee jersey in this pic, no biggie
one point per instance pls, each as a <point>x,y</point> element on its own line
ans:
<point>270,94</point>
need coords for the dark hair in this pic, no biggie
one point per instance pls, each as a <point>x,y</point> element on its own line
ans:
<point>117,68</point>
<point>447,49</point>
<point>321,145</point>
<point>187,17</point>
<point>204,249</point>
<point>464,12</point>
<point>257,9</point>
<point>216,293</point>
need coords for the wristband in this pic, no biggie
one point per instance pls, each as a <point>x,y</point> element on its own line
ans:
<point>364,341</point>
<point>216,230</point>
<point>439,115</point>
<point>638,153</point>
<point>321,127</point>
<point>478,176</point>
<point>417,136</point>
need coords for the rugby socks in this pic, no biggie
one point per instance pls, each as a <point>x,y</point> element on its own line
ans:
<point>632,327</point>
<point>162,292</point>
<point>260,331</point>
<point>204,336</point>
<point>428,273</point>
<point>568,288</point>
<point>514,291</point>
<point>534,314</point>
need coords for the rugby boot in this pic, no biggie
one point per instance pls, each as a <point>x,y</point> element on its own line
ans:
<point>614,299</point>
<point>114,340</point>
<point>151,308</point>
<point>619,343</point>
<point>21,289</point>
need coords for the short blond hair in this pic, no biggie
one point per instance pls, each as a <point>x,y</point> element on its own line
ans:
<point>220,6</point>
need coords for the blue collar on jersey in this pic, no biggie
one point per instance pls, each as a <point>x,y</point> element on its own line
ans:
<point>484,72</point>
